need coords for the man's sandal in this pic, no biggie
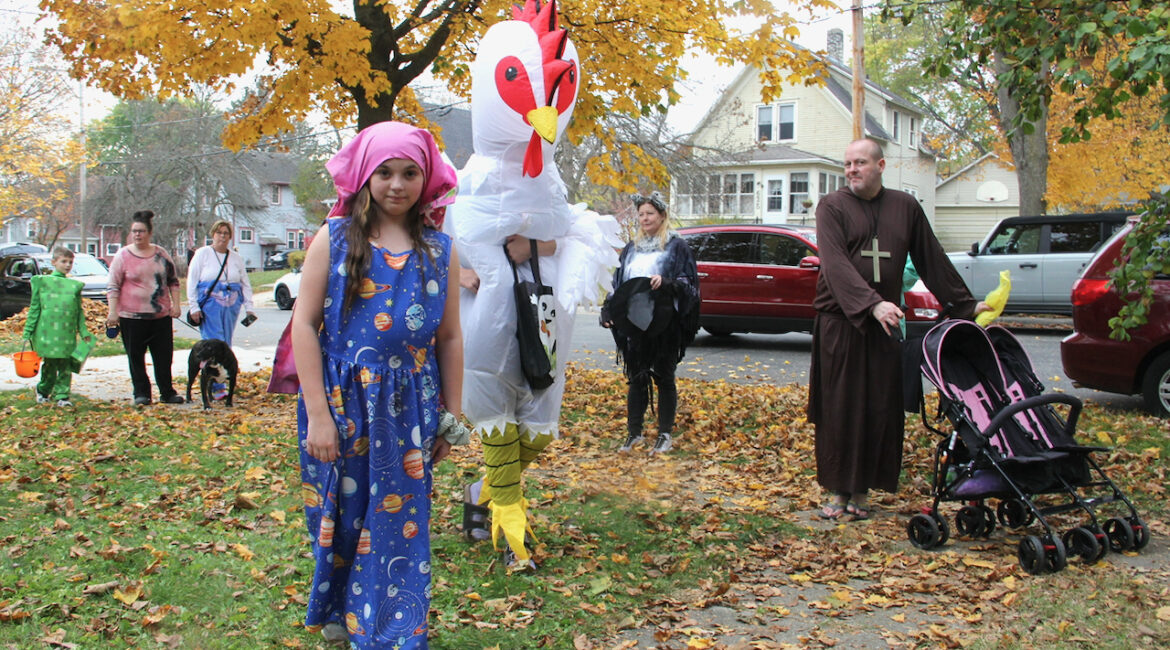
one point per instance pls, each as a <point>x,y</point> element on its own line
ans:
<point>856,512</point>
<point>831,511</point>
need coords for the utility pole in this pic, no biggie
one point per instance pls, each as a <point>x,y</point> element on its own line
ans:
<point>858,71</point>
<point>81,188</point>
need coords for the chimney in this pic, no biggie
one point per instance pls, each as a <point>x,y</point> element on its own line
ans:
<point>836,45</point>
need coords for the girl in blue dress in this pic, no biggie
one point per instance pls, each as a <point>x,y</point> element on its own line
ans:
<point>379,352</point>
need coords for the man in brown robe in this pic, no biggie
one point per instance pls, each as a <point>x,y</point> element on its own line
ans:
<point>864,234</point>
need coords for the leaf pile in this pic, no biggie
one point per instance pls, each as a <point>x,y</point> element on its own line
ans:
<point>95,318</point>
<point>175,527</point>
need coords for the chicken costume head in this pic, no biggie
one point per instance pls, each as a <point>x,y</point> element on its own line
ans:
<point>524,84</point>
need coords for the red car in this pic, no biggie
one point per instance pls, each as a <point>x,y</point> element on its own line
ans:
<point>755,278</point>
<point>1093,360</point>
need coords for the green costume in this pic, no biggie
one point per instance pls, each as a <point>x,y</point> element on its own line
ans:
<point>55,318</point>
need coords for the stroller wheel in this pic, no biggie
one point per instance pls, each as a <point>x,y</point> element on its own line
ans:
<point>969,522</point>
<point>1120,534</point>
<point>944,531</point>
<point>1082,542</point>
<point>1141,534</point>
<point>1030,552</point>
<point>988,520</point>
<point>1054,554</point>
<point>923,532</point>
<point>1014,513</point>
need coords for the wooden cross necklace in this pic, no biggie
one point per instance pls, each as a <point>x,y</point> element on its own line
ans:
<point>875,252</point>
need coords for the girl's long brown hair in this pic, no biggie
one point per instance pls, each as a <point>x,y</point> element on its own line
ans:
<point>362,217</point>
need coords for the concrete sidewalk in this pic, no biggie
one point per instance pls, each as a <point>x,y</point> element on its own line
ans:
<point>108,378</point>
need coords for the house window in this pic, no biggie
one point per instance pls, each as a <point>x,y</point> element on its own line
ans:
<point>787,122</point>
<point>739,194</point>
<point>247,236</point>
<point>91,248</point>
<point>300,240</point>
<point>776,195</point>
<point>691,196</point>
<point>911,190</point>
<point>913,141</point>
<point>897,126</point>
<point>76,248</point>
<point>112,249</point>
<point>797,192</point>
<point>776,123</point>
<point>764,123</point>
<point>275,199</point>
<point>291,239</point>
<point>30,230</point>
<point>829,183</point>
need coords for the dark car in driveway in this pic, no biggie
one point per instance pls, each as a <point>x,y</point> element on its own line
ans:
<point>755,278</point>
<point>17,270</point>
<point>1094,360</point>
<point>276,261</point>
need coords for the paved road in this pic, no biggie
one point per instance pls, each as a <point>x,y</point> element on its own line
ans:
<point>767,358</point>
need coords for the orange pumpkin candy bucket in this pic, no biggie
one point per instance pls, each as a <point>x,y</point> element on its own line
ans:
<point>28,362</point>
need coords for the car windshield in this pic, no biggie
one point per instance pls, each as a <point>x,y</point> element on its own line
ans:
<point>82,265</point>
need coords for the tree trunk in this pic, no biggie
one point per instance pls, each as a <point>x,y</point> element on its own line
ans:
<point>1029,150</point>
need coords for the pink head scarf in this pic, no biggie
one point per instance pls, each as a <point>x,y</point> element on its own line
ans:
<point>354,163</point>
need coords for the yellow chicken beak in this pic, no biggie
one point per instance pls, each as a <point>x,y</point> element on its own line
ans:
<point>544,121</point>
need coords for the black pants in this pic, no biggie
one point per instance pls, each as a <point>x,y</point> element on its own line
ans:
<point>158,336</point>
<point>638,397</point>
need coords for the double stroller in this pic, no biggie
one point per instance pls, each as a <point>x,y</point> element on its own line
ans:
<point>1011,443</point>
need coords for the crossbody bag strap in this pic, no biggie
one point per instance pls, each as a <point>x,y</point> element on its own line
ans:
<point>216,282</point>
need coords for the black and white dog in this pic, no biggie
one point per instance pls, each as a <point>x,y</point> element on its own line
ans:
<point>214,362</point>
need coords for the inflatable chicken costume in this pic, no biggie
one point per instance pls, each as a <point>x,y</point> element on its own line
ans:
<point>524,83</point>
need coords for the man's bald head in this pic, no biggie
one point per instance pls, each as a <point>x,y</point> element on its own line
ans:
<point>864,164</point>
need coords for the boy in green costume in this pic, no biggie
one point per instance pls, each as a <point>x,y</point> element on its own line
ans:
<point>55,318</point>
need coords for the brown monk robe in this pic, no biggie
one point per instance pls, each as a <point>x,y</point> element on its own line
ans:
<point>855,382</point>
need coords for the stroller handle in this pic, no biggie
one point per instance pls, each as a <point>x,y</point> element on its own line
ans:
<point>1030,403</point>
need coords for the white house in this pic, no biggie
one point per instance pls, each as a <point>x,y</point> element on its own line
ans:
<point>776,160</point>
<point>263,211</point>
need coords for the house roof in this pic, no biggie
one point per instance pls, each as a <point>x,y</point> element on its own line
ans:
<point>845,96</point>
<point>455,124</point>
<point>975,163</point>
<point>787,154</point>
<point>271,168</point>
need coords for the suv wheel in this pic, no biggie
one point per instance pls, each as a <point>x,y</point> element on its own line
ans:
<point>1156,386</point>
<point>283,300</point>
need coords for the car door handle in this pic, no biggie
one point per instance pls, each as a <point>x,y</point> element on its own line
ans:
<point>1028,265</point>
<point>763,277</point>
<point>702,275</point>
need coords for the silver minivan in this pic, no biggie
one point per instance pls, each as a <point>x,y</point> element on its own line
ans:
<point>1045,255</point>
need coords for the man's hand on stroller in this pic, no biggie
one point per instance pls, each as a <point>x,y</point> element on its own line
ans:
<point>981,307</point>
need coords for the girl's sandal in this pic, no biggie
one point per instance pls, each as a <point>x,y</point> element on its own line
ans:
<point>856,513</point>
<point>831,511</point>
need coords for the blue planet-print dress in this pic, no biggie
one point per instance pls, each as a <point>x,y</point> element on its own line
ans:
<point>368,512</point>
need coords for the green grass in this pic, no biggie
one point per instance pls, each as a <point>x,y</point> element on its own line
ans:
<point>106,347</point>
<point>265,279</point>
